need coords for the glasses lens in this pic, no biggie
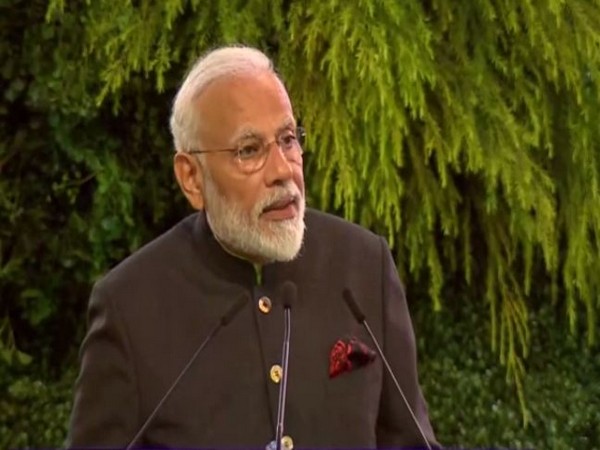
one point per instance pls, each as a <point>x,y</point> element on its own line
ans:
<point>252,157</point>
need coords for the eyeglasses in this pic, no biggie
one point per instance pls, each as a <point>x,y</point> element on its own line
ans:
<point>251,155</point>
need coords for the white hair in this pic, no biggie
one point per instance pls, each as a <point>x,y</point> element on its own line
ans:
<point>219,63</point>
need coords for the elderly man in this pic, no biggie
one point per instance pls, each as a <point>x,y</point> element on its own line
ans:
<point>239,163</point>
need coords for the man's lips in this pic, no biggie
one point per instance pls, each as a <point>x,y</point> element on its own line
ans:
<point>280,204</point>
<point>282,209</point>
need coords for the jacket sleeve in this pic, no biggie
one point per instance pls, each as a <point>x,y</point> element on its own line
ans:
<point>395,426</point>
<point>105,408</point>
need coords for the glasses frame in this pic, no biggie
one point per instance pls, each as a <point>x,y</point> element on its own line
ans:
<point>300,138</point>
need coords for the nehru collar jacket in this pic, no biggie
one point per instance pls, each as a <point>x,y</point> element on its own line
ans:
<point>148,315</point>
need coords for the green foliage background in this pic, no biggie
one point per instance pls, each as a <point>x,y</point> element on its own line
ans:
<point>465,132</point>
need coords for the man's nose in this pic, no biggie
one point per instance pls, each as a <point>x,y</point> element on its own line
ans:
<point>277,168</point>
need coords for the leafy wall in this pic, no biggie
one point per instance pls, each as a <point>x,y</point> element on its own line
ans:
<point>465,132</point>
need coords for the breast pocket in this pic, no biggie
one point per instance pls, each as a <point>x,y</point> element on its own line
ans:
<point>355,394</point>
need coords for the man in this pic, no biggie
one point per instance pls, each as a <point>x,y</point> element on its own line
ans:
<point>239,163</point>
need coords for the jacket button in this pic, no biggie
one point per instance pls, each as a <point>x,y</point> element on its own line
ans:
<point>276,373</point>
<point>264,305</point>
<point>287,443</point>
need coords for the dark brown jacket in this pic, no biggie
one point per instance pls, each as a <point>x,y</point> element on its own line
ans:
<point>148,315</point>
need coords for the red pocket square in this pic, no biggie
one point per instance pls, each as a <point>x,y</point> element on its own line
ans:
<point>348,354</point>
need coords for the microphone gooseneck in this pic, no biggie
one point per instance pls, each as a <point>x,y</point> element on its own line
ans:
<point>361,319</point>
<point>289,294</point>
<point>225,320</point>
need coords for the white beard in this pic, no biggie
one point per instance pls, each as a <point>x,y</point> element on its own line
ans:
<point>246,234</point>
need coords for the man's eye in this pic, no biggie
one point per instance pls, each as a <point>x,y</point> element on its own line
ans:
<point>288,140</point>
<point>248,151</point>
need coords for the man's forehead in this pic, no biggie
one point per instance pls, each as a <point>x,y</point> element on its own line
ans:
<point>249,130</point>
<point>246,104</point>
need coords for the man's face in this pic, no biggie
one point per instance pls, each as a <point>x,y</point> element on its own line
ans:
<point>257,215</point>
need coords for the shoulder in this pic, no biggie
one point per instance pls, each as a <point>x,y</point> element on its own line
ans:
<point>336,225</point>
<point>340,236</point>
<point>150,263</point>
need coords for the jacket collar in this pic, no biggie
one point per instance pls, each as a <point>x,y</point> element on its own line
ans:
<point>231,267</point>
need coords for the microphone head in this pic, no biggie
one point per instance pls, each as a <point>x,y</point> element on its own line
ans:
<point>235,308</point>
<point>354,308</point>
<point>289,294</point>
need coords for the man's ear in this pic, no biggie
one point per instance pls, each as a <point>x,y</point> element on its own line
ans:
<point>190,178</point>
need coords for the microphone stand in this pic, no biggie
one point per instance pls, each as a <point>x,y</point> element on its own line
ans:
<point>283,386</point>
<point>361,319</point>
<point>233,310</point>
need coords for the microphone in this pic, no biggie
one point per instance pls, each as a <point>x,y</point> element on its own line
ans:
<point>361,319</point>
<point>289,293</point>
<point>225,320</point>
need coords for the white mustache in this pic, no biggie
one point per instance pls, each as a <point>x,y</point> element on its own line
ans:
<point>278,194</point>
